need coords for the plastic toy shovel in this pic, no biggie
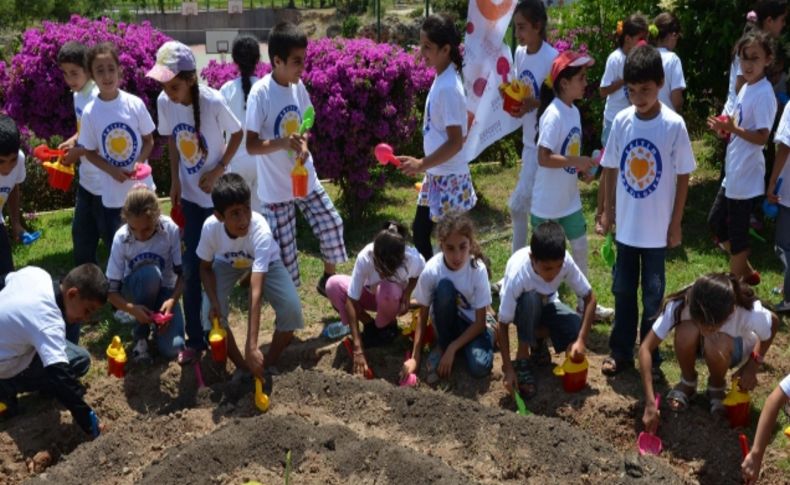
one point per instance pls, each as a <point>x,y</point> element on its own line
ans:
<point>607,250</point>
<point>29,238</point>
<point>521,407</point>
<point>386,155</point>
<point>261,399</point>
<point>769,208</point>
<point>308,120</point>
<point>648,443</point>
<point>411,379</point>
<point>142,171</point>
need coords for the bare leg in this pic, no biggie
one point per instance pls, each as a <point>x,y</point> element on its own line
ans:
<point>234,354</point>
<point>280,341</point>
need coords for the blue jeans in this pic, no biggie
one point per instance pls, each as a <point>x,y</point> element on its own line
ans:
<point>625,285</point>
<point>112,222</point>
<point>194,216</point>
<point>450,323</point>
<point>783,246</point>
<point>144,287</point>
<point>534,310</point>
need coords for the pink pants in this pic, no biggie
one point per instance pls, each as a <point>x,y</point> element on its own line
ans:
<point>385,302</point>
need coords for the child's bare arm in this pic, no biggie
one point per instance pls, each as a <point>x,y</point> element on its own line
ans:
<point>14,203</point>
<point>147,148</point>
<point>209,281</point>
<point>580,345</point>
<point>447,150</point>
<point>252,354</point>
<point>549,159</point>
<point>259,146</point>
<point>750,468</point>
<point>782,151</point>
<point>97,160</point>
<point>674,236</point>
<point>607,90</point>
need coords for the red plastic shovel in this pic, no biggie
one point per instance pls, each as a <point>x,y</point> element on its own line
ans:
<point>648,443</point>
<point>386,155</point>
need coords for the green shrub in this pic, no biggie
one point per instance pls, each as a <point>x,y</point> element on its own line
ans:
<point>350,27</point>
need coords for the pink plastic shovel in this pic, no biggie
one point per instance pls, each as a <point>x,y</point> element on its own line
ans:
<point>199,375</point>
<point>386,155</point>
<point>411,379</point>
<point>648,443</point>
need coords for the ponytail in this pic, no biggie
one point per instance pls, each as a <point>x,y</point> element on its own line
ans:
<point>246,54</point>
<point>194,91</point>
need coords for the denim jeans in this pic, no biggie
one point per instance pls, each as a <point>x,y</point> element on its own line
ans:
<point>194,216</point>
<point>87,227</point>
<point>144,287</point>
<point>450,322</point>
<point>632,261</point>
<point>534,310</point>
<point>112,222</point>
<point>783,246</point>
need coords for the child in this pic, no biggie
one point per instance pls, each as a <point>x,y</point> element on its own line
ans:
<point>12,174</point>
<point>529,299</point>
<point>116,132</point>
<point>88,223</point>
<point>454,284</point>
<point>750,468</point>
<point>646,163</point>
<point>275,108</point>
<point>750,125</point>
<point>667,29</point>
<point>447,184</point>
<point>534,57</point>
<point>234,241</point>
<point>383,279</point>
<point>782,199</point>
<point>34,352</point>
<point>193,118</point>
<point>768,16</point>
<point>144,271</point>
<point>246,54</point>
<point>719,318</point>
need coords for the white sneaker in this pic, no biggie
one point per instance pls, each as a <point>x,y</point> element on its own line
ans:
<point>140,353</point>
<point>782,306</point>
<point>603,314</point>
<point>123,317</point>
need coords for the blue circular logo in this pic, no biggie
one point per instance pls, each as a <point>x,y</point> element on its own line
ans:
<point>640,168</point>
<point>287,121</point>
<point>529,79</point>
<point>119,143</point>
<point>572,146</point>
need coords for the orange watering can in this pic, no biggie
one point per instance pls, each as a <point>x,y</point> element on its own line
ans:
<point>737,405</point>
<point>573,373</point>
<point>217,338</point>
<point>261,399</point>
<point>46,154</point>
<point>59,176</point>
<point>116,358</point>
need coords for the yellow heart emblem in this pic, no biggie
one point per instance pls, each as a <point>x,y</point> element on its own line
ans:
<point>639,168</point>
<point>118,144</point>
<point>291,126</point>
<point>187,148</point>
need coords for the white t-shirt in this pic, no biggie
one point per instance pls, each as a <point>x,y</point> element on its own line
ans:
<point>785,385</point>
<point>673,76</point>
<point>471,284</point>
<point>30,322</point>
<point>365,274</point>
<point>732,94</point>
<point>163,250</point>
<point>556,190</point>
<point>742,323</point>
<point>618,100</point>
<point>744,167</point>
<point>520,277</point>
<point>115,129</point>
<point>533,69</point>
<point>178,121</point>
<point>275,111</point>
<point>445,106</point>
<point>257,249</point>
<point>649,156</point>
<point>8,182</point>
<point>91,178</point>
<point>783,136</point>
<point>234,96</point>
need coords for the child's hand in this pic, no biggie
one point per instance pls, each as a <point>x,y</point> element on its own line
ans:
<point>747,375</point>
<point>750,468</point>
<point>141,314</point>
<point>175,191</point>
<point>360,363</point>
<point>577,351</point>
<point>72,156</point>
<point>769,192</point>
<point>118,174</point>
<point>68,144</point>
<point>509,381</point>
<point>409,367</point>
<point>651,416</point>
<point>209,178</point>
<point>297,143</point>
<point>409,165</point>
<point>446,363</point>
<point>17,230</point>
<point>584,164</point>
<point>254,358</point>
<point>721,124</point>
<point>674,236</point>
<point>605,226</point>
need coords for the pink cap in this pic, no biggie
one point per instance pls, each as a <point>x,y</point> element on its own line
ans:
<point>569,59</point>
<point>172,58</point>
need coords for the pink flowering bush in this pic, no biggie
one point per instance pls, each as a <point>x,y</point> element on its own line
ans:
<point>364,93</point>
<point>218,73</point>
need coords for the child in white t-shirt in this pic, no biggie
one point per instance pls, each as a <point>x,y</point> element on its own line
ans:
<point>667,32</point>
<point>447,184</point>
<point>246,52</point>
<point>720,319</point>
<point>116,132</point>
<point>275,108</point>
<point>781,170</point>
<point>533,60</point>
<point>233,242</point>
<point>88,223</point>
<point>454,286</point>
<point>529,299</point>
<point>647,163</point>
<point>144,271</point>
<point>744,181</point>
<point>750,468</point>
<point>383,279</point>
<point>12,174</point>
<point>193,118</point>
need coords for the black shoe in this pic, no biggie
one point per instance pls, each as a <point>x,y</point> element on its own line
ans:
<point>321,286</point>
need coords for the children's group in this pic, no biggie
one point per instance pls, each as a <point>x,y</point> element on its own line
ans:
<point>232,156</point>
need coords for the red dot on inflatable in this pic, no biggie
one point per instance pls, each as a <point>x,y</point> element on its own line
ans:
<point>479,86</point>
<point>470,27</point>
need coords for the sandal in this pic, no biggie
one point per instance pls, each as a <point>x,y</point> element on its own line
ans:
<point>612,366</point>
<point>716,396</point>
<point>541,357</point>
<point>677,399</point>
<point>188,356</point>
<point>525,378</point>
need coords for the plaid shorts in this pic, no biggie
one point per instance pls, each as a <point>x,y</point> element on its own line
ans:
<point>326,223</point>
<point>443,193</point>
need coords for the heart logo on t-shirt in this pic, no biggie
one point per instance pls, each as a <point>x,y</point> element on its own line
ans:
<point>241,263</point>
<point>187,148</point>
<point>639,168</point>
<point>291,126</point>
<point>118,145</point>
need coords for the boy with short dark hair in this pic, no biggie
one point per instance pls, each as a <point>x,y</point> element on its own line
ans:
<point>12,174</point>
<point>234,241</point>
<point>529,299</point>
<point>275,108</point>
<point>34,352</point>
<point>647,162</point>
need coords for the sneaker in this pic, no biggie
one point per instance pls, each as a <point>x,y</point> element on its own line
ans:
<point>140,353</point>
<point>782,306</point>
<point>123,317</point>
<point>321,286</point>
<point>603,314</point>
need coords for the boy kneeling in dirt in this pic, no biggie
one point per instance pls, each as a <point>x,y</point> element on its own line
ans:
<point>34,352</point>
<point>529,299</point>
<point>233,242</point>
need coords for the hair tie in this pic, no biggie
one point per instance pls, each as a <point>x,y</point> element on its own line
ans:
<point>139,185</point>
<point>751,16</point>
<point>652,29</point>
<point>619,27</point>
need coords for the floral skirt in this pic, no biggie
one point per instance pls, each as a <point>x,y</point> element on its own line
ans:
<point>445,193</point>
